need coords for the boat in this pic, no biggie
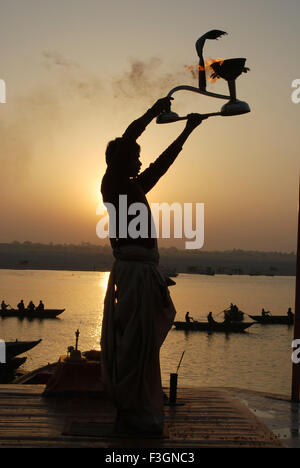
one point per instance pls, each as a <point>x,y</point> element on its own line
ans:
<point>8,369</point>
<point>232,327</point>
<point>38,376</point>
<point>12,364</point>
<point>43,374</point>
<point>14,348</point>
<point>234,314</point>
<point>273,319</point>
<point>46,313</point>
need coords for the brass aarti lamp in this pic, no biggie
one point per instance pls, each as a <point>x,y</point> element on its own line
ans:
<point>229,70</point>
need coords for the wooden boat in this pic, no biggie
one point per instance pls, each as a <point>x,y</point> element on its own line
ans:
<point>273,319</point>
<point>43,374</point>
<point>9,368</point>
<point>234,315</point>
<point>38,376</point>
<point>46,313</point>
<point>14,348</point>
<point>12,364</point>
<point>233,327</point>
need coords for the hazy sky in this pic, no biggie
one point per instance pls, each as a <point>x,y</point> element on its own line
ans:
<point>78,72</point>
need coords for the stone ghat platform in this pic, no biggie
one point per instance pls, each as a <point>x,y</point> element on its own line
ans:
<point>203,418</point>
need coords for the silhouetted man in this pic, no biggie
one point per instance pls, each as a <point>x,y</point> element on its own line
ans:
<point>31,306</point>
<point>21,306</point>
<point>4,306</point>
<point>210,319</point>
<point>188,319</point>
<point>138,310</point>
<point>40,307</point>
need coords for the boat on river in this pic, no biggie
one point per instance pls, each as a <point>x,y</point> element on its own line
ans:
<point>89,365</point>
<point>9,368</point>
<point>41,314</point>
<point>38,376</point>
<point>12,364</point>
<point>231,327</point>
<point>14,348</point>
<point>273,319</point>
<point>233,313</point>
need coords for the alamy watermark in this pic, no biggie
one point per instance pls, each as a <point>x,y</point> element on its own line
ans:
<point>2,92</point>
<point>134,221</point>
<point>295,96</point>
<point>296,353</point>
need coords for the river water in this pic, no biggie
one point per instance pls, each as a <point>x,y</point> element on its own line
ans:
<point>259,359</point>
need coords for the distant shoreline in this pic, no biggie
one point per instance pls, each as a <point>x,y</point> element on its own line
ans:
<point>88,257</point>
<point>16,268</point>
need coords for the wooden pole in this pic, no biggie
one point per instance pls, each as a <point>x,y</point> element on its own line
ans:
<point>296,367</point>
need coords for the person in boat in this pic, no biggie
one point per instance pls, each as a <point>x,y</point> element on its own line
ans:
<point>31,306</point>
<point>210,319</point>
<point>265,313</point>
<point>138,310</point>
<point>290,313</point>
<point>188,319</point>
<point>227,319</point>
<point>4,306</point>
<point>232,309</point>
<point>40,307</point>
<point>21,306</point>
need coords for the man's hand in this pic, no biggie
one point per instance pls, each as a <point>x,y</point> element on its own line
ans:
<point>193,121</point>
<point>162,105</point>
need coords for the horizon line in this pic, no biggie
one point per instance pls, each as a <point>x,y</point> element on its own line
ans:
<point>89,244</point>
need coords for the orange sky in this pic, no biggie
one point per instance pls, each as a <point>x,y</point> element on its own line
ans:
<point>71,88</point>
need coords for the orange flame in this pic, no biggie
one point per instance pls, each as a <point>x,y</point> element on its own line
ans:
<point>208,64</point>
<point>207,67</point>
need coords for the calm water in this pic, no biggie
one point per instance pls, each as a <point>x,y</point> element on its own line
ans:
<point>259,359</point>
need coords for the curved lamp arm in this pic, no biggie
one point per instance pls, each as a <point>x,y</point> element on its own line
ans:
<point>197,90</point>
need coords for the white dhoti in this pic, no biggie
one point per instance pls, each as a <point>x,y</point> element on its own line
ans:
<point>138,313</point>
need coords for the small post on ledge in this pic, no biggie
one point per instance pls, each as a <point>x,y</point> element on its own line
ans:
<point>77,336</point>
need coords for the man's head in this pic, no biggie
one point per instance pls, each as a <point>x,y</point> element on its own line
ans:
<point>124,157</point>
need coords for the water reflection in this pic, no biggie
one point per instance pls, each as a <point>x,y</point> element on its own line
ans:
<point>208,334</point>
<point>103,281</point>
<point>95,332</point>
<point>258,359</point>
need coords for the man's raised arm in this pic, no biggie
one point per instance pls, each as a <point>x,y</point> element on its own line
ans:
<point>137,127</point>
<point>148,178</point>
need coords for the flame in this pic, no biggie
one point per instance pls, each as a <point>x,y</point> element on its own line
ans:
<point>208,64</point>
<point>207,67</point>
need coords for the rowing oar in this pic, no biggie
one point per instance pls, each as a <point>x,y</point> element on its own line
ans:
<point>221,311</point>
